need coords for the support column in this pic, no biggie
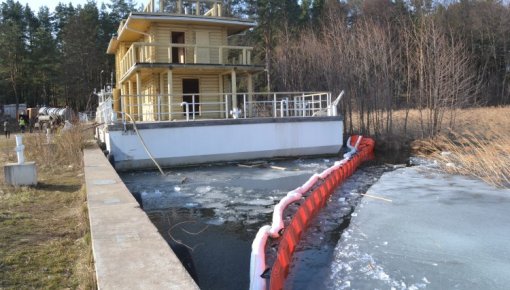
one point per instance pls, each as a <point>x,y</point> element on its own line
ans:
<point>234,89</point>
<point>162,99</point>
<point>123,93</point>
<point>131,99</point>
<point>250,96</point>
<point>139,110</point>
<point>170,90</point>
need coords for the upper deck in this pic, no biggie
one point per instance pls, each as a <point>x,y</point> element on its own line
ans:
<point>180,12</point>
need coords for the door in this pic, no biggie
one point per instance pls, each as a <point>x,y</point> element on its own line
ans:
<point>203,50</point>
<point>190,91</point>
<point>178,55</point>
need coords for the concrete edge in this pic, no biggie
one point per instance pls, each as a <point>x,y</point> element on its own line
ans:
<point>129,252</point>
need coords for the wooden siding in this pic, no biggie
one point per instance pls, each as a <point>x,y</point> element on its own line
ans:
<point>209,84</point>
<point>163,33</point>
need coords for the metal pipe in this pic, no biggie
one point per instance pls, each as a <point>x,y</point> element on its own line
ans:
<point>274,105</point>
<point>193,106</point>
<point>187,110</point>
<point>244,105</point>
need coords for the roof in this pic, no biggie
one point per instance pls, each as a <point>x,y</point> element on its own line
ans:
<point>138,23</point>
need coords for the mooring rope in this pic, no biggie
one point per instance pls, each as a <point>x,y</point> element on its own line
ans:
<point>143,143</point>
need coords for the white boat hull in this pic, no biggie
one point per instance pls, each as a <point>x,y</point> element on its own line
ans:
<point>206,141</point>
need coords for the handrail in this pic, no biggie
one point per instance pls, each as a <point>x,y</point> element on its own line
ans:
<point>138,53</point>
<point>161,107</point>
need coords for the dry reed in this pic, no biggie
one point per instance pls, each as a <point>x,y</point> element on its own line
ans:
<point>63,151</point>
<point>478,145</point>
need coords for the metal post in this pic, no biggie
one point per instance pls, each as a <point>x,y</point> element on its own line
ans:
<point>226,106</point>
<point>303,104</point>
<point>186,110</point>
<point>193,105</point>
<point>274,105</point>
<point>244,105</point>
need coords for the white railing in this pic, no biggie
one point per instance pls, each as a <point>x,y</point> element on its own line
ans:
<point>191,107</point>
<point>104,113</point>
<point>144,52</point>
<point>191,7</point>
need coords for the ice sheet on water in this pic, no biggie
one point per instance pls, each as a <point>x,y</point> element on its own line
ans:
<point>248,192</point>
<point>440,232</point>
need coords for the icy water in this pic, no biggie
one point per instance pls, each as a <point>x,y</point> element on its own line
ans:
<point>432,231</point>
<point>210,215</point>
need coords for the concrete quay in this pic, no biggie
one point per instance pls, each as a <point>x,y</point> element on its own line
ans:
<point>129,252</point>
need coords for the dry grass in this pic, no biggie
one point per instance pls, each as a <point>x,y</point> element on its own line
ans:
<point>472,142</point>
<point>479,145</point>
<point>45,236</point>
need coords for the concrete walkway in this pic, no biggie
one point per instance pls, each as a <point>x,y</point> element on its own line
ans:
<point>129,252</point>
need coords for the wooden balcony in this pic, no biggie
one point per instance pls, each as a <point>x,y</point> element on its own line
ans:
<point>143,52</point>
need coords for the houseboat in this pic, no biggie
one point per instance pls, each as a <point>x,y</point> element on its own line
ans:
<point>184,96</point>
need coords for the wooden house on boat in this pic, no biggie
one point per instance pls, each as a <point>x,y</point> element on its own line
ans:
<point>177,52</point>
<point>178,79</point>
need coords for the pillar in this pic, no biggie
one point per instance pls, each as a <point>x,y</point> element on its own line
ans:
<point>139,102</point>
<point>170,90</point>
<point>131,99</point>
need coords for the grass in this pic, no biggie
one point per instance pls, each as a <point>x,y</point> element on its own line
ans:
<point>478,145</point>
<point>45,237</point>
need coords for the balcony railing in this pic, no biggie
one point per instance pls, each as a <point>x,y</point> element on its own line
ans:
<point>142,52</point>
<point>191,107</point>
<point>190,7</point>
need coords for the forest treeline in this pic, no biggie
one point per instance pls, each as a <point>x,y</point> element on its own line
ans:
<point>387,55</point>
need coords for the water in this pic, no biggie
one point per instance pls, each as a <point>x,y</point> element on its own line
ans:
<point>438,232</point>
<point>317,246</point>
<point>210,215</point>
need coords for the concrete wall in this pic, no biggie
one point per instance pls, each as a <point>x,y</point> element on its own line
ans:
<point>129,252</point>
<point>224,140</point>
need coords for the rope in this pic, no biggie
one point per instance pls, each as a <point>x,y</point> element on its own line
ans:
<point>143,144</point>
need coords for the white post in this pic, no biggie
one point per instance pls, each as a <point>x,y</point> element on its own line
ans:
<point>250,95</point>
<point>19,149</point>
<point>274,105</point>
<point>48,135</point>
<point>234,89</point>
<point>170,88</point>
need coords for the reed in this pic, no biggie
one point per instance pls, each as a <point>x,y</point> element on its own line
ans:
<point>479,145</point>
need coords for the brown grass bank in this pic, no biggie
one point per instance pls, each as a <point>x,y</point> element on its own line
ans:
<point>479,145</point>
<point>473,142</point>
<point>44,230</point>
